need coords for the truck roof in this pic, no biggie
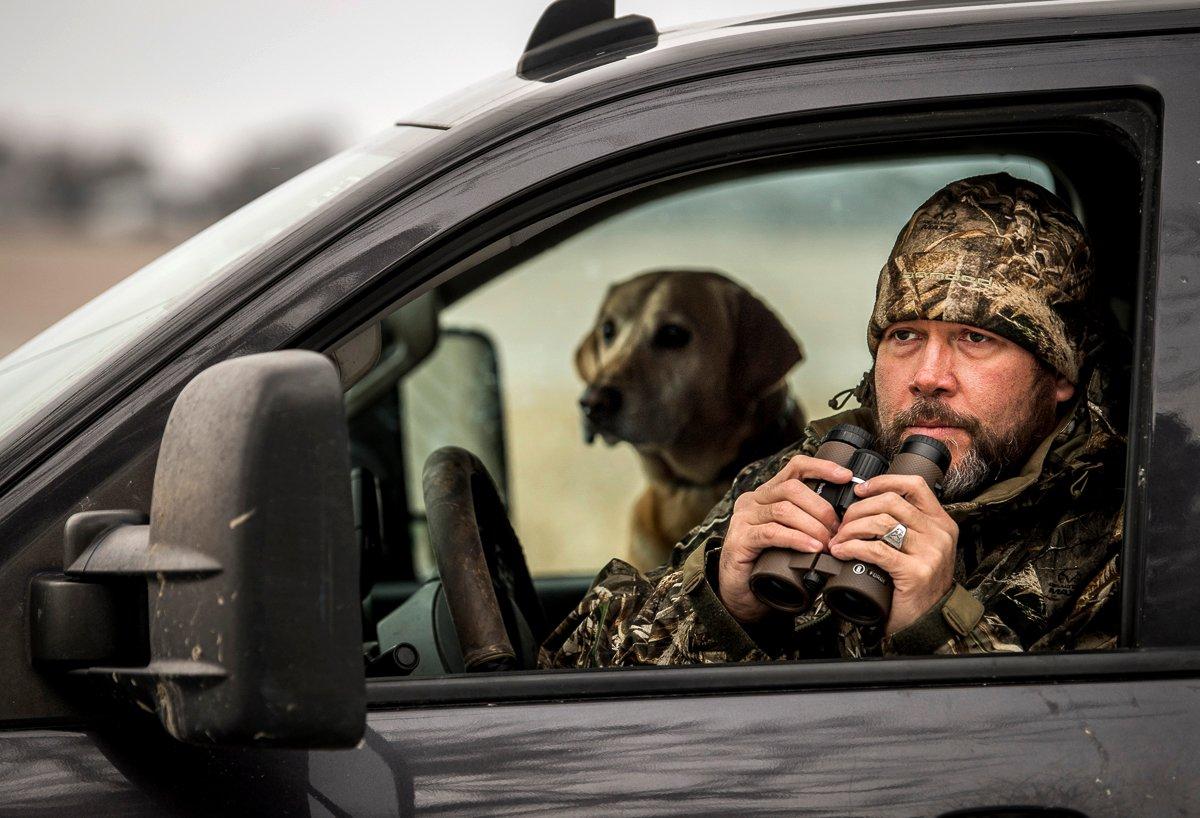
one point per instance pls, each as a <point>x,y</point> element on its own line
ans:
<point>839,30</point>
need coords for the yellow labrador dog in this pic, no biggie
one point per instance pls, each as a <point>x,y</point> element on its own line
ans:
<point>686,366</point>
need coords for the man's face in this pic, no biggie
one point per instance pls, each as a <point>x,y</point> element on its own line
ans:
<point>986,398</point>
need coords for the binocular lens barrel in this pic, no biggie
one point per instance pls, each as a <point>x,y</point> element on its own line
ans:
<point>777,575</point>
<point>854,436</point>
<point>865,464</point>
<point>777,583</point>
<point>862,593</point>
<point>839,446</point>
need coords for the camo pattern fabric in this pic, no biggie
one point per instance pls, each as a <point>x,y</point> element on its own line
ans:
<point>1038,549</point>
<point>999,254</point>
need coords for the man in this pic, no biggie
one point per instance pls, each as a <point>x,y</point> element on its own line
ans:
<point>983,337</point>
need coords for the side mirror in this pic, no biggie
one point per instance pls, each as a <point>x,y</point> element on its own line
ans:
<point>246,615</point>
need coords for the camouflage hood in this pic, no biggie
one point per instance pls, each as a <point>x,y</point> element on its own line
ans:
<point>996,253</point>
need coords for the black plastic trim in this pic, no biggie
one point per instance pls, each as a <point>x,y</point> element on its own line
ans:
<point>427,125</point>
<point>1141,408</point>
<point>619,683</point>
<point>574,32</point>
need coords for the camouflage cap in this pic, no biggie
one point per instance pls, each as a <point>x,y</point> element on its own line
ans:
<point>997,253</point>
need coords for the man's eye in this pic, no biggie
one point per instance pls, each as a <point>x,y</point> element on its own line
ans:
<point>976,337</point>
<point>903,334</point>
<point>671,336</point>
<point>608,331</point>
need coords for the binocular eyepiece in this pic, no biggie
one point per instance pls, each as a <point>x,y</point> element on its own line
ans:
<point>790,581</point>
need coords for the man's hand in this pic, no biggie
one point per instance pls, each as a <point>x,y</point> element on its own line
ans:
<point>924,571</point>
<point>781,513</point>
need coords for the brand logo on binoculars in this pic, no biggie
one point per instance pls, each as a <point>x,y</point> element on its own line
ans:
<point>869,570</point>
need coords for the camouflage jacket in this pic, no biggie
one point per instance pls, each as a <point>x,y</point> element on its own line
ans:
<point>1037,555</point>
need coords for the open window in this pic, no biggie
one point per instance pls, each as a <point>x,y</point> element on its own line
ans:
<point>804,228</point>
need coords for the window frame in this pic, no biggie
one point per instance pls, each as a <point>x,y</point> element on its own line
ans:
<point>1129,117</point>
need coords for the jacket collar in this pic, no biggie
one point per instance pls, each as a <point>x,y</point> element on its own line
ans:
<point>1003,491</point>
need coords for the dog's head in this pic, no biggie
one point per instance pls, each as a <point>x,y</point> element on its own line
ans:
<point>675,355</point>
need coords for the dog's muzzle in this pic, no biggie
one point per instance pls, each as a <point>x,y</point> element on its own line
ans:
<point>599,405</point>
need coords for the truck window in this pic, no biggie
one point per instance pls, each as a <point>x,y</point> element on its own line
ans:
<point>504,378</point>
<point>808,242</point>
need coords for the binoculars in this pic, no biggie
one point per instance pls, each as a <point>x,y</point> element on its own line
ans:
<point>790,581</point>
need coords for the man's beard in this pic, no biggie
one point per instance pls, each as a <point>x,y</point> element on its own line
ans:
<point>990,452</point>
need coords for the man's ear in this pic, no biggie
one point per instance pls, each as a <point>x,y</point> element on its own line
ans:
<point>587,356</point>
<point>764,350</point>
<point>1063,389</point>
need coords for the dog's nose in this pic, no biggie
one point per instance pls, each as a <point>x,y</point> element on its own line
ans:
<point>600,402</point>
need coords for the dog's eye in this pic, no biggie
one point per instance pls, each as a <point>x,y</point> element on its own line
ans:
<point>608,331</point>
<point>671,336</point>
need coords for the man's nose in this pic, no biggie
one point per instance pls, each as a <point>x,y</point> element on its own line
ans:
<point>934,376</point>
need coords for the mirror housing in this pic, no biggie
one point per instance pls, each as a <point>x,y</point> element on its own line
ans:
<point>249,560</point>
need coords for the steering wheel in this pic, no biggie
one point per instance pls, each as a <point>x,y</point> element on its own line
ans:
<point>496,611</point>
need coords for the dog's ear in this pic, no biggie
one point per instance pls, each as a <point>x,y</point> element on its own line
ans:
<point>764,350</point>
<point>587,356</point>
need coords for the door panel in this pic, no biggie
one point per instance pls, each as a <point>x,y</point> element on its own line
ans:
<point>1121,748</point>
<point>1104,749</point>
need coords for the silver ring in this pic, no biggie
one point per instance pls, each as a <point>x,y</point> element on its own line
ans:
<point>895,537</point>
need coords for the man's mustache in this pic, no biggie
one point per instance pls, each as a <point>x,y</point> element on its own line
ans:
<point>928,412</point>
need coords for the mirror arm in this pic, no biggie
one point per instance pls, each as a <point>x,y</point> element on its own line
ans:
<point>117,543</point>
<point>81,622</point>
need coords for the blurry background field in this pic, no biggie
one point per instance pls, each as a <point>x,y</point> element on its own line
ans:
<point>48,271</point>
<point>75,220</point>
<point>127,127</point>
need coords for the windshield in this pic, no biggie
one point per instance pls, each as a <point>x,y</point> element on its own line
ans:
<point>48,365</point>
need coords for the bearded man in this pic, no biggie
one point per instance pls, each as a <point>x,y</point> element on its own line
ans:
<point>983,337</point>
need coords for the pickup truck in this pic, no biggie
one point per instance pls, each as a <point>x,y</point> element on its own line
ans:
<point>227,592</point>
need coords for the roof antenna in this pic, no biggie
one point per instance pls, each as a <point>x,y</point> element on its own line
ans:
<point>573,32</point>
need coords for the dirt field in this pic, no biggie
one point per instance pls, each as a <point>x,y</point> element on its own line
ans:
<point>45,274</point>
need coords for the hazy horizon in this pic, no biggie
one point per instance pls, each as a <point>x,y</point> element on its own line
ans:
<point>192,85</point>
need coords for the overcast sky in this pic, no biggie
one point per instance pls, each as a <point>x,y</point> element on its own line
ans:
<point>194,81</point>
